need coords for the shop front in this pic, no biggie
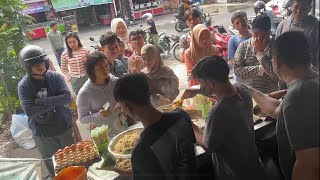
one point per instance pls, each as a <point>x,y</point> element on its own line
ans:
<point>140,7</point>
<point>104,11</point>
<point>76,13</point>
<point>38,10</point>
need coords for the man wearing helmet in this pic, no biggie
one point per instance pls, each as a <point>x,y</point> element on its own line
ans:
<point>43,97</point>
<point>308,24</point>
<point>259,7</point>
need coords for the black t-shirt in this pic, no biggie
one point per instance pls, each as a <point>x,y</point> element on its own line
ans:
<point>166,149</point>
<point>153,29</point>
<point>298,121</point>
<point>229,136</point>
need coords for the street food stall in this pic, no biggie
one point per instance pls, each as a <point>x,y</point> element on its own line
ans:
<point>110,158</point>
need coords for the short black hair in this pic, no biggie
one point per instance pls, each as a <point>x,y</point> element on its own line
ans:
<point>53,24</point>
<point>92,60</point>
<point>212,68</point>
<point>136,32</point>
<point>109,38</point>
<point>133,88</point>
<point>193,12</point>
<point>292,49</point>
<point>261,23</point>
<point>238,14</point>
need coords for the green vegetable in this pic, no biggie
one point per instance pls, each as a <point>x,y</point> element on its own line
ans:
<point>108,160</point>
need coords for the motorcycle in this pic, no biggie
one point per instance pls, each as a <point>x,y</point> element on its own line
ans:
<point>221,39</point>
<point>175,47</point>
<point>163,43</point>
<point>282,8</point>
<point>181,23</point>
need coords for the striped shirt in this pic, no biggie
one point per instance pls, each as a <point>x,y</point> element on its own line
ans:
<point>75,66</point>
<point>247,67</point>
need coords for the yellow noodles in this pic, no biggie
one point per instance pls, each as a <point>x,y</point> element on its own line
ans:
<point>126,144</point>
<point>124,165</point>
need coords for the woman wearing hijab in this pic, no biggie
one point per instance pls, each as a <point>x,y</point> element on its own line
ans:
<point>119,27</point>
<point>162,78</point>
<point>200,47</point>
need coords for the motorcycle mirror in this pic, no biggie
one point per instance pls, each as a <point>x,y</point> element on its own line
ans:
<point>91,38</point>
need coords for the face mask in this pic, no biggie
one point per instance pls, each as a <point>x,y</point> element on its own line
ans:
<point>206,92</point>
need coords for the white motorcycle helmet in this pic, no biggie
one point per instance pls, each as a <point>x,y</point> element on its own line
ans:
<point>147,16</point>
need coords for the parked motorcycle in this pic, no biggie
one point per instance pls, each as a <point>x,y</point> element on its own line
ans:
<point>221,39</point>
<point>175,47</point>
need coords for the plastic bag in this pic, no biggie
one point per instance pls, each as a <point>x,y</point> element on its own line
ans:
<point>21,132</point>
<point>20,168</point>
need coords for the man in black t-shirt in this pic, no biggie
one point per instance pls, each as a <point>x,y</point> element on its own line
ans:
<point>166,147</point>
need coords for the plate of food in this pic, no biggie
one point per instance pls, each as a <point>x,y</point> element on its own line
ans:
<point>193,113</point>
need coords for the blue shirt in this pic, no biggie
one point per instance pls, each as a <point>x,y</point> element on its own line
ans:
<point>233,44</point>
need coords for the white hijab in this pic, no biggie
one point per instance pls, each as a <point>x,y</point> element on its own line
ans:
<point>125,40</point>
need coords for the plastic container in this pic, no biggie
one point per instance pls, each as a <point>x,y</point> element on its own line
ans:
<point>72,173</point>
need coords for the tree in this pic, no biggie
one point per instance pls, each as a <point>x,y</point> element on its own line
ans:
<point>13,30</point>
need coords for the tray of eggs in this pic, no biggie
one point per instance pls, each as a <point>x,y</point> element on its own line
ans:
<point>80,154</point>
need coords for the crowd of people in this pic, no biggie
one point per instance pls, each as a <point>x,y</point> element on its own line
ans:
<point>129,77</point>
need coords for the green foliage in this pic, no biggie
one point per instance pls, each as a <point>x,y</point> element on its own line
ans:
<point>12,72</point>
<point>13,30</point>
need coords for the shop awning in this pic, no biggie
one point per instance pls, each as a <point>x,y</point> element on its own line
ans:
<point>63,5</point>
<point>98,2</point>
<point>36,8</point>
